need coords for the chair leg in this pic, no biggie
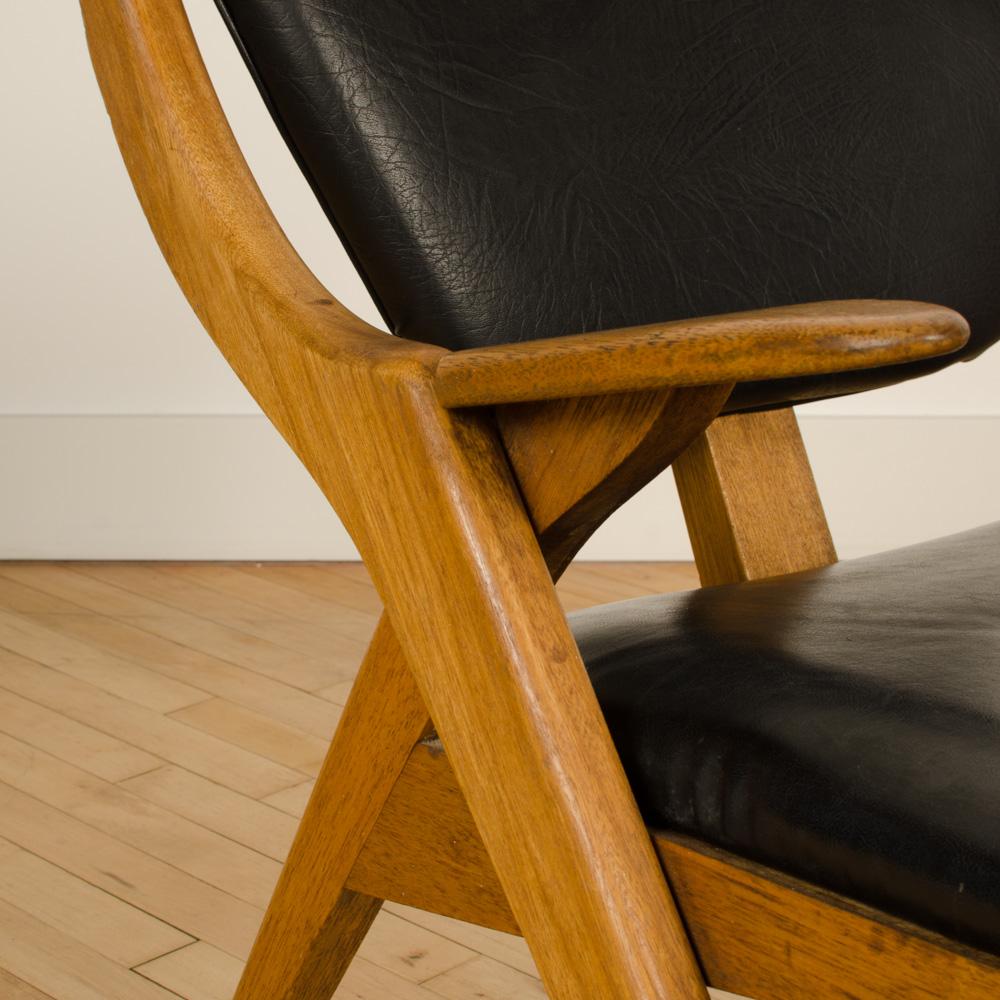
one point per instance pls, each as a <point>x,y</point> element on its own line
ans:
<point>314,924</point>
<point>750,500</point>
<point>462,574</point>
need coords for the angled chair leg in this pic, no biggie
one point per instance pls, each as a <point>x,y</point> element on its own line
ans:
<point>459,567</point>
<point>314,924</point>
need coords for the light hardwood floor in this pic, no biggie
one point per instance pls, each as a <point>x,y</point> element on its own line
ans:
<point>160,726</point>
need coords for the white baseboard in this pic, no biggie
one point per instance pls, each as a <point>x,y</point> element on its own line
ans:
<point>218,487</point>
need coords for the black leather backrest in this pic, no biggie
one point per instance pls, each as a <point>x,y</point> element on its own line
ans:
<point>529,168</point>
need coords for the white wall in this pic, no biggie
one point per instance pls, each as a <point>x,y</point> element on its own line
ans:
<point>123,434</point>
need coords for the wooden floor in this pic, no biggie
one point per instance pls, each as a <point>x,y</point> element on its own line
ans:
<point>160,725</point>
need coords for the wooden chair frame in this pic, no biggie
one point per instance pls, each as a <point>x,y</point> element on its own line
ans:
<point>472,773</point>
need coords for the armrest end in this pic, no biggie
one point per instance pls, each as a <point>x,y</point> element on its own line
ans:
<point>814,339</point>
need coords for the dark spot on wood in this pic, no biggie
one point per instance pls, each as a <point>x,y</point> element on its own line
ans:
<point>434,745</point>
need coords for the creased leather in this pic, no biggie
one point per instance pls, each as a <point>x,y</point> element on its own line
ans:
<point>841,725</point>
<point>534,168</point>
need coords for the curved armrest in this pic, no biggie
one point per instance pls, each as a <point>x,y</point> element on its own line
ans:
<point>814,339</point>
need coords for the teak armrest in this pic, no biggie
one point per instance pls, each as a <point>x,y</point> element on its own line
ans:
<point>813,339</point>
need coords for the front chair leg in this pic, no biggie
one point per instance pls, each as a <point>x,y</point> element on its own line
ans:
<point>462,574</point>
<point>313,924</point>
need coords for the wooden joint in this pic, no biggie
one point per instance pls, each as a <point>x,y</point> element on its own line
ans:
<point>577,460</point>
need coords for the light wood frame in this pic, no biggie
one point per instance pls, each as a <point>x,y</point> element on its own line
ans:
<point>510,808</point>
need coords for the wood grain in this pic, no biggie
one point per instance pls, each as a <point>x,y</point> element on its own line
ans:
<point>252,823</point>
<point>812,339</point>
<point>89,749</point>
<point>771,937</point>
<point>504,683</point>
<point>750,500</point>
<point>113,928</point>
<point>143,728</point>
<point>27,946</point>
<point>12,988</point>
<point>159,833</point>
<point>577,460</point>
<point>166,653</point>
<point>202,909</point>
<point>426,851</point>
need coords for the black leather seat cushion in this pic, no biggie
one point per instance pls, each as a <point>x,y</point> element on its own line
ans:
<point>841,725</point>
<point>503,171</point>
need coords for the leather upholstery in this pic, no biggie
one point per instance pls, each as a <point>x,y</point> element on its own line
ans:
<point>841,725</point>
<point>534,168</point>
